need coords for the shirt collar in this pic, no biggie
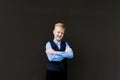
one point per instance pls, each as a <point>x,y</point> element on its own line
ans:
<point>56,41</point>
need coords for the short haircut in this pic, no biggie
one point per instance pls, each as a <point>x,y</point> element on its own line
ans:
<point>60,25</point>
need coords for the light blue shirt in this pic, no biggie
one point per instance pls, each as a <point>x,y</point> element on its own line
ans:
<point>59,55</point>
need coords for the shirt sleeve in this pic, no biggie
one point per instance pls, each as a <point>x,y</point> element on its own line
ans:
<point>53,57</point>
<point>65,54</point>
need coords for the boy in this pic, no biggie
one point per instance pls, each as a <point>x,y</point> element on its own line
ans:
<point>58,52</point>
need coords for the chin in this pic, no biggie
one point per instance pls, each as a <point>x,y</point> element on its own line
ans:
<point>58,39</point>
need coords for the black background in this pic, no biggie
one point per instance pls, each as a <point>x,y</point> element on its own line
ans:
<point>92,31</point>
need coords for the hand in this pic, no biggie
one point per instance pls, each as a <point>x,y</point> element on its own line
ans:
<point>68,50</point>
<point>50,51</point>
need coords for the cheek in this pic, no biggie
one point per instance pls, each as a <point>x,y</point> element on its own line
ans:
<point>61,35</point>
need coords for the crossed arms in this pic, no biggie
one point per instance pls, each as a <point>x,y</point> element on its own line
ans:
<point>58,55</point>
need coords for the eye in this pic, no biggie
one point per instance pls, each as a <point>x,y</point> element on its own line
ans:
<point>58,31</point>
<point>62,33</point>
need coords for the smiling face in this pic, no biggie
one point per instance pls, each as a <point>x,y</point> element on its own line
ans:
<point>58,32</point>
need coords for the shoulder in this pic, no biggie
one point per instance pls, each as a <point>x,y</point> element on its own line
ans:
<point>48,43</point>
<point>65,43</point>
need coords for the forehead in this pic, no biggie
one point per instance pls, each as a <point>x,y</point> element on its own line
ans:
<point>58,28</point>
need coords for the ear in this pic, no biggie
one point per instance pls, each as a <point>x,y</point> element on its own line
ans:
<point>53,31</point>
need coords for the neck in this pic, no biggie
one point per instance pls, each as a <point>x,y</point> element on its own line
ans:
<point>57,40</point>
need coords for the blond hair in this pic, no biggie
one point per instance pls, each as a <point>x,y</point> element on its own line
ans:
<point>59,25</point>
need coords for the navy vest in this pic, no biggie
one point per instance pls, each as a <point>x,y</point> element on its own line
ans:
<point>58,66</point>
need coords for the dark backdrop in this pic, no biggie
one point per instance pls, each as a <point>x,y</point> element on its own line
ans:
<point>92,31</point>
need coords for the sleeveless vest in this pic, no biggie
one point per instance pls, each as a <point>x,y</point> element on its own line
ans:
<point>54,65</point>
